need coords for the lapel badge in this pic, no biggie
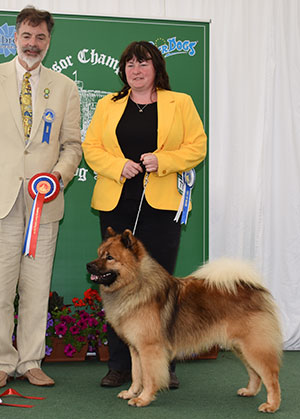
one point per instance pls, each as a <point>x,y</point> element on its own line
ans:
<point>46,93</point>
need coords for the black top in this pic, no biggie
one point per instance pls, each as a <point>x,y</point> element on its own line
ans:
<point>137,134</point>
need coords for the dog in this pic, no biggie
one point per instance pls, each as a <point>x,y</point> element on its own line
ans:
<point>162,317</point>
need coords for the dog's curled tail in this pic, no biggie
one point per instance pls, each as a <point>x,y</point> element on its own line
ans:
<point>227,274</point>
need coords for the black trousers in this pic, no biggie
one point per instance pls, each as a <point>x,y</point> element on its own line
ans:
<point>160,235</point>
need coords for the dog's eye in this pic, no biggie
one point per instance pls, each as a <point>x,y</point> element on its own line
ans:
<point>109,257</point>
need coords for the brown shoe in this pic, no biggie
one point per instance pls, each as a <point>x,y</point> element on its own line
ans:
<point>3,378</point>
<point>115,378</point>
<point>37,377</point>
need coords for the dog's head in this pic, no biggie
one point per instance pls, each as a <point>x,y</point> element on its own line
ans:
<point>118,259</point>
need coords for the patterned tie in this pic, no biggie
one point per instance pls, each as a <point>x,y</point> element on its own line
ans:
<point>26,105</point>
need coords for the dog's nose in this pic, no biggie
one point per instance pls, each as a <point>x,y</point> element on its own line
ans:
<point>92,268</point>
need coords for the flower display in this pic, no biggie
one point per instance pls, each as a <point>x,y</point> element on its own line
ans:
<point>77,324</point>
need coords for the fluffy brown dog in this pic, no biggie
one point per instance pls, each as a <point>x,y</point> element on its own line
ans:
<point>162,317</point>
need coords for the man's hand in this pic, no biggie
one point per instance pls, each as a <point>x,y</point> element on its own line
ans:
<point>57,175</point>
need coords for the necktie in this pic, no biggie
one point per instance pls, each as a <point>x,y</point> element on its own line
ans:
<point>26,105</point>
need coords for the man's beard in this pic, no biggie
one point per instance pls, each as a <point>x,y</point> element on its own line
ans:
<point>31,61</point>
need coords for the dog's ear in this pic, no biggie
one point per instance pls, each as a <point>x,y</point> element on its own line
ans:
<point>133,244</point>
<point>110,232</point>
<point>127,238</point>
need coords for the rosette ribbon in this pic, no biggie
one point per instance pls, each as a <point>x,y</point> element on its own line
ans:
<point>186,183</point>
<point>12,392</point>
<point>42,188</point>
<point>48,117</point>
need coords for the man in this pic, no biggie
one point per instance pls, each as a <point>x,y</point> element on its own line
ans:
<point>37,146</point>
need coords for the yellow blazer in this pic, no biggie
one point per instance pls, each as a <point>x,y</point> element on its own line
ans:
<point>181,145</point>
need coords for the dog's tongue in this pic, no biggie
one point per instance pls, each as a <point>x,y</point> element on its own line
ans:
<point>94,277</point>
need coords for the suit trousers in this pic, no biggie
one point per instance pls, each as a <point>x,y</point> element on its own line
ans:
<point>31,277</point>
<point>160,235</point>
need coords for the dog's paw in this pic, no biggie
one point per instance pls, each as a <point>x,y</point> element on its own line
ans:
<point>126,395</point>
<point>267,408</point>
<point>245,392</point>
<point>139,402</point>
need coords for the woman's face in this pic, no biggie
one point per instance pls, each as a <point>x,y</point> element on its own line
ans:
<point>140,75</point>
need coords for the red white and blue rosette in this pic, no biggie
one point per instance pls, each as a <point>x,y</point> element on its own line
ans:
<point>43,187</point>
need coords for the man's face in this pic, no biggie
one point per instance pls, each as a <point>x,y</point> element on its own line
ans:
<point>32,44</point>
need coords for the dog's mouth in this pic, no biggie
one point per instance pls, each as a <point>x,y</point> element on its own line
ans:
<point>107,278</point>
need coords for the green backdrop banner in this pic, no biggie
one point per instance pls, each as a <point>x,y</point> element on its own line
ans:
<point>87,49</point>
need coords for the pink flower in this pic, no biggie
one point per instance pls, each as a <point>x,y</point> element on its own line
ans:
<point>92,322</point>
<point>82,324</point>
<point>84,315</point>
<point>69,350</point>
<point>61,329</point>
<point>74,329</point>
<point>104,328</point>
<point>67,319</point>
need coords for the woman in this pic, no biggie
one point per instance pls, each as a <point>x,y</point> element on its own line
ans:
<point>145,127</point>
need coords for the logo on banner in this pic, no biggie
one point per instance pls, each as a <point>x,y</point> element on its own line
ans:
<point>173,46</point>
<point>7,43</point>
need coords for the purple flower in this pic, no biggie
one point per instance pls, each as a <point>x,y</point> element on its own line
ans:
<point>91,337</point>
<point>50,323</point>
<point>69,350</point>
<point>61,329</point>
<point>104,328</point>
<point>48,350</point>
<point>101,313</point>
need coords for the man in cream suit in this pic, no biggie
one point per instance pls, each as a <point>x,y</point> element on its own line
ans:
<point>23,156</point>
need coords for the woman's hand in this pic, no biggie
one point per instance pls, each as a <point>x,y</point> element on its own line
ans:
<point>150,162</point>
<point>131,169</point>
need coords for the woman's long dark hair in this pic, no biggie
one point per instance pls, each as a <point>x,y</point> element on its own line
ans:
<point>143,51</point>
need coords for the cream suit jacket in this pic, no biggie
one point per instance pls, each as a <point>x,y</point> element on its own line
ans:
<point>19,162</point>
<point>181,145</point>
